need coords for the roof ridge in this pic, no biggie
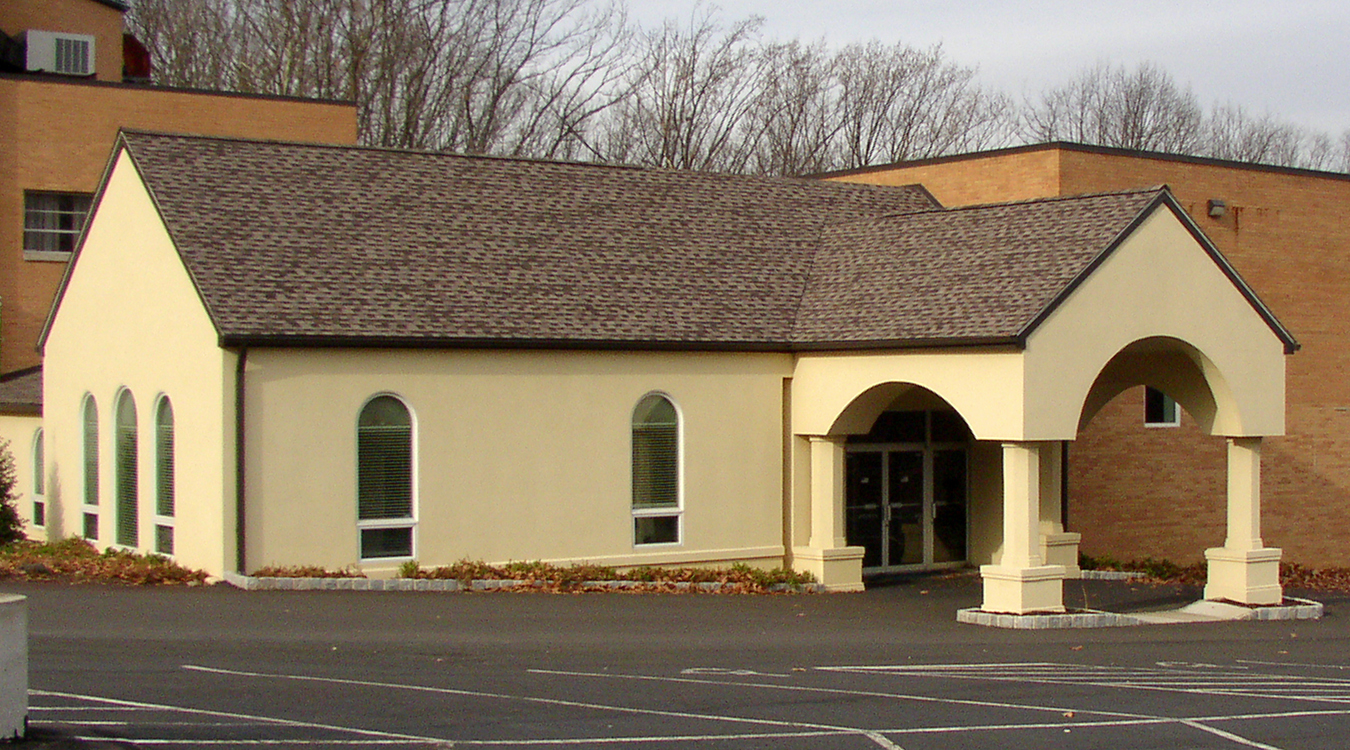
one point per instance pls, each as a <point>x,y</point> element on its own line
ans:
<point>833,186</point>
<point>949,210</point>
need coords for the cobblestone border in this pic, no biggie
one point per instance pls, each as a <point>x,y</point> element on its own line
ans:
<point>1299,609</point>
<point>450,585</point>
<point>1110,575</point>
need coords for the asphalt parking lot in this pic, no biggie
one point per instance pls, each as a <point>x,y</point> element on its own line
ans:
<point>890,668</point>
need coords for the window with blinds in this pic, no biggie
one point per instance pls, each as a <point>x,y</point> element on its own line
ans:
<point>39,481</point>
<point>127,472</point>
<point>384,446</point>
<point>164,468</point>
<point>52,221</point>
<point>90,466</point>
<point>656,471</point>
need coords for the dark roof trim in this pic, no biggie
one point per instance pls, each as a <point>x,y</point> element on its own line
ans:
<point>115,5</point>
<point>291,341</point>
<point>79,245</point>
<point>1165,198</point>
<point>119,146</point>
<point>65,80</point>
<point>1090,149</point>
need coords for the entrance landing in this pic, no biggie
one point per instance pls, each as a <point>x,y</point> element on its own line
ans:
<point>1201,611</point>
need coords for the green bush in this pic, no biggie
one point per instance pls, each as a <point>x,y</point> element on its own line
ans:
<point>11,525</point>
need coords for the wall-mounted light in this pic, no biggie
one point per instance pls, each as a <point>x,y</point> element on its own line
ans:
<point>1217,208</point>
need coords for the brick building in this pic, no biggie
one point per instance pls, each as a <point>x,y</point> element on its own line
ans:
<point>1133,478</point>
<point>63,98</point>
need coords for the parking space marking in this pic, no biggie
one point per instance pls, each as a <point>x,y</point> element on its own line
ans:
<point>260,720</point>
<point>1208,681</point>
<point>883,742</point>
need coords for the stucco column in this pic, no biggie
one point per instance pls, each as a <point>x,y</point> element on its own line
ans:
<point>827,554</point>
<point>1244,569</point>
<point>1021,582</point>
<point>1058,547</point>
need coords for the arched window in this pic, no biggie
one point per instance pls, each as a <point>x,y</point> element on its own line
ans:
<point>384,479</point>
<point>127,468</point>
<point>39,481</point>
<point>164,477</point>
<point>90,468</point>
<point>656,471</point>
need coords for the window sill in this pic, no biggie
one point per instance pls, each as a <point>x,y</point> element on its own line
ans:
<point>48,256</point>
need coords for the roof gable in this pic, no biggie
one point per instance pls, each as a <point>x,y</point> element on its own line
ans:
<point>293,242</point>
<point>299,244</point>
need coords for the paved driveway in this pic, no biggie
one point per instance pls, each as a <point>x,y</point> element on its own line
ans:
<point>214,667</point>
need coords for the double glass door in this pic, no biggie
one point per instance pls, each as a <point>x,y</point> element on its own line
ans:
<point>905,505</point>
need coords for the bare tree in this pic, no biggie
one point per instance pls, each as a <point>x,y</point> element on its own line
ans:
<point>898,102</point>
<point>793,124</point>
<point>692,91</point>
<point>1141,109</point>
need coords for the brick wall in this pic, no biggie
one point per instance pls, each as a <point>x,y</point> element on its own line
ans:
<point>58,135</point>
<point>1139,491</point>
<point>101,21</point>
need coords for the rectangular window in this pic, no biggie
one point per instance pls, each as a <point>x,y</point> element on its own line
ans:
<point>164,539</point>
<point>1160,410</point>
<point>91,526</point>
<point>52,223</point>
<point>390,542</point>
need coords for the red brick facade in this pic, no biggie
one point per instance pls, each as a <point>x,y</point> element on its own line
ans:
<point>1137,491</point>
<point>58,132</point>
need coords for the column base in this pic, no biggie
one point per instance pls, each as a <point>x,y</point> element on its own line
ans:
<point>1062,549</point>
<point>1021,591</point>
<point>1244,576</point>
<point>837,568</point>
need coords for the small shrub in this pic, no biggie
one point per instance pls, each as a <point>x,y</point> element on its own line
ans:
<point>305,571</point>
<point>77,561</point>
<point>409,569</point>
<point>11,525</point>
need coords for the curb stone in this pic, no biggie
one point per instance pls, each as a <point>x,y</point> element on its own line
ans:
<point>451,585</point>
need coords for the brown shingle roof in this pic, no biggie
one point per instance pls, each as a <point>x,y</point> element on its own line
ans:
<point>290,240</point>
<point>21,392</point>
<point>981,272</point>
<point>300,244</point>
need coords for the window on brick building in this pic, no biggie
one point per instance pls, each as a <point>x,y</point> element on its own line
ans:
<point>1160,410</point>
<point>52,223</point>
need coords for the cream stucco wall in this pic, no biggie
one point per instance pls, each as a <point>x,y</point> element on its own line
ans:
<point>520,455</point>
<point>21,432</point>
<point>131,318</point>
<point>1157,283</point>
<point>984,387</point>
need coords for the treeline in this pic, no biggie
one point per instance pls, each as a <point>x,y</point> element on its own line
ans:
<point>574,79</point>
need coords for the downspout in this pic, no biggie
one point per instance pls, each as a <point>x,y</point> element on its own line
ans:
<point>240,506</point>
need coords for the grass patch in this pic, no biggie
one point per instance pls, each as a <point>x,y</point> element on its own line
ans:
<point>739,577</point>
<point>76,561</point>
<point>1292,575</point>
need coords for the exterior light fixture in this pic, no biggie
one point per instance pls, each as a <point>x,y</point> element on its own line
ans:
<point>1217,208</point>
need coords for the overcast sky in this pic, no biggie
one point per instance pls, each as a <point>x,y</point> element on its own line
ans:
<point>1289,58</point>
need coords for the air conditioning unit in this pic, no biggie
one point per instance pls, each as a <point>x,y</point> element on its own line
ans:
<point>58,52</point>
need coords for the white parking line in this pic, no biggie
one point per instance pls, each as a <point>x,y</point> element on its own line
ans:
<point>232,715</point>
<point>560,702</point>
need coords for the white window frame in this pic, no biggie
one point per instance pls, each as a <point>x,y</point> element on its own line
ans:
<point>1175,420</point>
<point>39,464</point>
<point>162,520</point>
<point>88,508</point>
<point>410,522</point>
<point>659,512</point>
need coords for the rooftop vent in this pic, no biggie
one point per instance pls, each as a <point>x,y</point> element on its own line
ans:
<point>56,52</point>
